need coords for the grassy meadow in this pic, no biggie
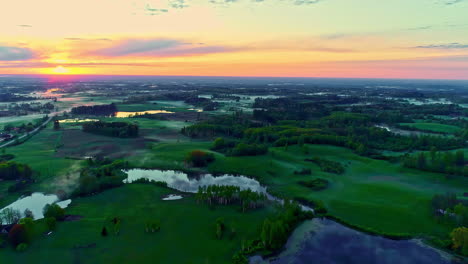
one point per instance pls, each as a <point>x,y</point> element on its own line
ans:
<point>187,232</point>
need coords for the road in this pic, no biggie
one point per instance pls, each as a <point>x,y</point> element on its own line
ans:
<point>27,134</point>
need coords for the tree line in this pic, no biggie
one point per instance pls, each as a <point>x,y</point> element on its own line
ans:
<point>112,129</point>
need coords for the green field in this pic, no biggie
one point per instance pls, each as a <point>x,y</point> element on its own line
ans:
<point>187,232</point>
<point>373,194</point>
<point>433,127</point>
<point>53,173</point>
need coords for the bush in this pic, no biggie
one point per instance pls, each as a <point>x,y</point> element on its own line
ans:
<point>22,247</point>
<point>328,165</point>
<point>315,184</point>
<point>199,158</point>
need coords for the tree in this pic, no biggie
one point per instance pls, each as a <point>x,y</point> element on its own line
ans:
<point>17,235</point>
<point>9,216</point>
<point>55,211</point>
<point>56,125</point>
<point>460,239</point>
<point>28,213</point>
<point>265,235</point>
<point>104,232</point>
<point>219,227</point>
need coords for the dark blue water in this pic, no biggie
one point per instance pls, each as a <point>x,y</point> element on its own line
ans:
<point>324,241</point>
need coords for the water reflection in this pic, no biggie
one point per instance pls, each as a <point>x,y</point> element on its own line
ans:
<point>325,241</point>
<point>36,203</point>
<point>172,197</point>
<point>130,114</point>
<point>182,182</point>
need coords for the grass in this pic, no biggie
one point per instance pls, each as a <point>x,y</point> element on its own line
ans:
<point>371,193</point>
<point>433,127</point>
<point>187,232</point>
<point>39,152</point>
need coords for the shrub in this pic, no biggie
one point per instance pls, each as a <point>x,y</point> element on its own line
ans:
<point>22,247</point>
<point>315,184</point>
<point>200,158</point>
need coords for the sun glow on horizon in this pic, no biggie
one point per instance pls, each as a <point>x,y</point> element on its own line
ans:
<point>60,70</point>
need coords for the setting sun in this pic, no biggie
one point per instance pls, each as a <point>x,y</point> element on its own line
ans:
<point>60,70</point>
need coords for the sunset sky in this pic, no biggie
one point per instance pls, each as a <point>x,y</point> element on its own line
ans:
<point>297,38</point>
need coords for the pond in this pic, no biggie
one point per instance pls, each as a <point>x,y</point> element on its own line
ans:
<point>36,203</point>
<point>325,241</point>
<point>182,182</point>
<point>151,112</point>
<point>172,197</point>
<point>314,241</point>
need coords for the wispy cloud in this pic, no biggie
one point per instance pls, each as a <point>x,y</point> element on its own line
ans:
<point>8,53</point>
<point>305,2</point>
<point>454,45</point>
<point>151,11</point>
<point>88,39</point>
<point>451,2</point>
<point>160,47</point>
<point>178,4</point>
<point>24,26</point>
<point>294,2</point>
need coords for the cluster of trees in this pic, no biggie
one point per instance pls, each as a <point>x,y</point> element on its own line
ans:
<point>447,208</point>
<point>232,125</point>
<point>236,148</point>
<point>435,161</point>
<point>460,240</point>
<point>328,165</point>
<point>199,158</point>
<point>96,110</point>
<point>243,149</point>
<point>315,184</point>
<point>11,170</point>
<point>100,175</point>
<point>25,108</point>
<point>54,211</point>
<point>205,103</point>
<point>23,230</point>
<point>275,231</point>
<point>13,97</point>
<point>18,172</point>
<point>225,195</point>
<point>112,129</point>
<point>9,216</point>
<point>25,127</point>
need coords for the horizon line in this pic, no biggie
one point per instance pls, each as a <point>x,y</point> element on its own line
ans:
<point>227,76</point>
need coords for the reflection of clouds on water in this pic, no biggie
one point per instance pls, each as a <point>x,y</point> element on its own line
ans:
<point>36,203</point>
<point>182,182</point>
<point>325,241</point>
